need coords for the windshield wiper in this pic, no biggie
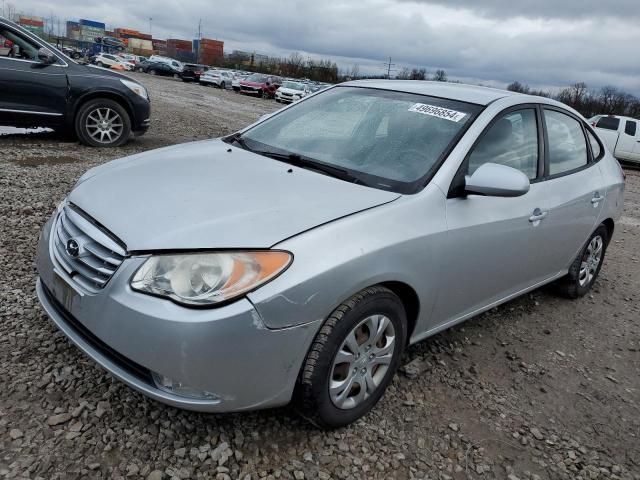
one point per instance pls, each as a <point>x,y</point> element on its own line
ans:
<point>308,164</point>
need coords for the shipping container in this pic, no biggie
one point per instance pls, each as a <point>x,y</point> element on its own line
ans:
<point>141,44</point>
<point>92,23</point>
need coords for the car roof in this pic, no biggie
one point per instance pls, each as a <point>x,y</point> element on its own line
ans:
<point>454,91</point>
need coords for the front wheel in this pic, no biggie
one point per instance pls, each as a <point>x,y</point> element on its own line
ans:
<point>100,64</point>
<point>103,123</point>
<point>585,268</point>
<point>223,86</point>
<point>353,359</point>
<point>152,72</point>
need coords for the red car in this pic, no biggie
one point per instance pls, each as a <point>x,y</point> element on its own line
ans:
<point>259,84</point>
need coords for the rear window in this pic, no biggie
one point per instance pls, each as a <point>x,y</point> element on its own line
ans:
<point>630,128</point>
<point>608,123</point>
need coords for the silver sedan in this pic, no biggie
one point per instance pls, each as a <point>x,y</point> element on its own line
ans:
<point>297,258</point>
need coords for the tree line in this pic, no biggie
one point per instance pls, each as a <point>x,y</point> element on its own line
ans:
<point>294,66</point>
<point>607,100</point>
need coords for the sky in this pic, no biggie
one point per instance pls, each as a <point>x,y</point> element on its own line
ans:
<point>546,44</point>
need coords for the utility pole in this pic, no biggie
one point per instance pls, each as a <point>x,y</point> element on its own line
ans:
<point>388,66</point>
<point>150,33</point>
<point>199,40</point>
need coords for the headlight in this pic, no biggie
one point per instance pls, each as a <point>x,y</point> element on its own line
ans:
<point>136,88</point>
<point>205,279</point>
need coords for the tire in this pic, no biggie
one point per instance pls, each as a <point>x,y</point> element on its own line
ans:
<point>90,114</point>
<point>100,64</point>
<point>260,94</point>
<point>140,70</point>
<point>585,268</point>
<point>175,75</point>
<point>222,85</point>
<point>266,95</point>
<point>152,72</point>
<point>322,367</point>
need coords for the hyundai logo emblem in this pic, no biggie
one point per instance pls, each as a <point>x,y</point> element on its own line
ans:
<point>73,249</point>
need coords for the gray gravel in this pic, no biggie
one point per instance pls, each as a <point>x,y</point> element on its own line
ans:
<point>539,388</point>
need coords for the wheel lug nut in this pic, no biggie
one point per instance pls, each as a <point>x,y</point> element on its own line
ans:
<point>371,357</point>
<point>363,371</point>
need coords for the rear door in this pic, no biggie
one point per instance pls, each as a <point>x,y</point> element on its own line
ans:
<point>575,192</point>
<point>31,93</point>
<point>628,140</point>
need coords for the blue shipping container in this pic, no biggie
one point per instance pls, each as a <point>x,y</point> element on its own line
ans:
<point>196,45</point>
<point>92,23</point>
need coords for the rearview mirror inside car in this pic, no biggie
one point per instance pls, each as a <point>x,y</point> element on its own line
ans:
<point>46,56</point>
<point>496,180</point>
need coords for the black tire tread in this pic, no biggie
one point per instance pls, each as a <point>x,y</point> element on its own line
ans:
<point>84,137</point>
<point>568,285</point>
<point>305,399</point>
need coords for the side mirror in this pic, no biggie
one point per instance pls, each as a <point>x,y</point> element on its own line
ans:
<point>46,56</point>
<point>496,180</point>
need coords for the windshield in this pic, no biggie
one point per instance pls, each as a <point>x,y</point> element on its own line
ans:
<point>293,85</point>
<point>384,139</point>
<point>257,77</point>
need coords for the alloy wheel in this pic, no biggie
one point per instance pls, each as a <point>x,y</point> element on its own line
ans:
<point>104,125</point>
<point>590,260</point>
<point>362,362</point>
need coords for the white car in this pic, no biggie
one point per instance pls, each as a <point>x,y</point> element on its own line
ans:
<point>107,60</point>
<point>621,135</point>
<point>218,78</point>
<point>235,83</point>
<point>291,91</point>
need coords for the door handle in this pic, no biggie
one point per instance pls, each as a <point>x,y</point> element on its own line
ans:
<point>538,215</point>
<point>597,198</point>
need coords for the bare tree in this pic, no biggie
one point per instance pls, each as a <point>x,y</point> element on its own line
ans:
<point>440,76</point>
<point>355,71</point>
<point>518,87</point>
<point>405,74</point>
<point>420,74</point>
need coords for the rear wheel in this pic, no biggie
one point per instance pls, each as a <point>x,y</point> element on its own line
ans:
<point>103,123</point>
<point>353,359</point>
<point>100,64</point>
<point>222,85</point>
<point>585,268</point>
<point>152,72</point>
<point>140,70</point>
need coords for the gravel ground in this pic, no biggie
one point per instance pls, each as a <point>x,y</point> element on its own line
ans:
<point>539,388</point>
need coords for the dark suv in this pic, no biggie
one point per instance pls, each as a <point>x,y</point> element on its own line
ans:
<point>157,68</point>
<point>192,72</point>
<point>42,87</point>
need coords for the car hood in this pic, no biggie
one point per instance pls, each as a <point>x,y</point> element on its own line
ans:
<point>291,91</point>
<point>211,195</point>
<point>250,84</point>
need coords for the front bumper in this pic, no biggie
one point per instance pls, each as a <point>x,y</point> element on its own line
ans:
<point>227,351</point>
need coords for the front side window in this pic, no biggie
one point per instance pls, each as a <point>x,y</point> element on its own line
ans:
<point>630,128</point>
<point>512,141</point>
<point>386,139</point>
<point>14,45</point>
<point>567,145</point>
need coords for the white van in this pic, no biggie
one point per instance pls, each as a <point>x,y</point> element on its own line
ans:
<point>175,64</point>
<point>621,135</point>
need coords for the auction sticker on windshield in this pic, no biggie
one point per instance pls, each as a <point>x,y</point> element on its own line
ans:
<point>439,112</point>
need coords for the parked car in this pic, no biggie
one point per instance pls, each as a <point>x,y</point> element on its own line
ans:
<point>356,222</point>
<point>235,83</point>
<point>175,64</point>
<point>192,72</point>
<point>45,88</point>
<point>291,91</point>
<point>109,61</point>
<point>217,78</point>
<point>158,68</point>
<point>621,135</point>
<point>259,84</point>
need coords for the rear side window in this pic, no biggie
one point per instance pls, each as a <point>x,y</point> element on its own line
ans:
<point>596,149</point>
<point>630,128</point>
<point>512,141</point>
<point>608,123</point>
<point>567,144</point>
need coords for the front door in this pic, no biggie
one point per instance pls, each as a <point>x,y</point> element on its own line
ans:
<point>492,242</point>
<point>31,93</point>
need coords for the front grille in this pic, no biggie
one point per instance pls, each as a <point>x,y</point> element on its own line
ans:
<point>98,345</point>
<point>88,253</point>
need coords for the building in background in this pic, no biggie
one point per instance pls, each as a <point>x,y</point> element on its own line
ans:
<point>33,24</point>
<point>90,30</point>
<point>73,30</point>
<point>208,51</point>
